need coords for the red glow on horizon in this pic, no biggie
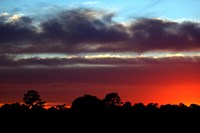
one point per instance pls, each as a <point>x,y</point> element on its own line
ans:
<point>181,92</point>
<point>156,84</point>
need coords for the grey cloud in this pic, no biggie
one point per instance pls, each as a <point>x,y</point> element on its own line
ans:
<point>86,30</point>
<point>152,35</point>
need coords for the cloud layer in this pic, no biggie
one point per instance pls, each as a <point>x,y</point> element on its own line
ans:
<point>81,50</point>
<point>8,61</point>
<point>86,30</point>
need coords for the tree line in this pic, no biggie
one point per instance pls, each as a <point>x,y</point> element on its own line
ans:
<point>88,103</point>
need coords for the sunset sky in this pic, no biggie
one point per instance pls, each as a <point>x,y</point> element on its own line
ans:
<point>145,50</point>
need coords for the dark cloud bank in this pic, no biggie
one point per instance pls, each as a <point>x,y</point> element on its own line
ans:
<point>85,30</point>
<point>88,31</point>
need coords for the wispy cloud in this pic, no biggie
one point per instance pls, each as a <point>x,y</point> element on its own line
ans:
<point>154,3</point>
<point>95,61</point>
<point>91,2</point>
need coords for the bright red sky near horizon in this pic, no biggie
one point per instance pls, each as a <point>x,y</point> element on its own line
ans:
<point>144,51</point>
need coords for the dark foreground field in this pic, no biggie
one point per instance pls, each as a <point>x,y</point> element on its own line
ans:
<point>101,122</point>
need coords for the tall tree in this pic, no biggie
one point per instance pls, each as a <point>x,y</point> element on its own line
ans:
<point>32,98</point>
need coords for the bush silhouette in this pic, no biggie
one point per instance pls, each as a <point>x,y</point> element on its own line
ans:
<point>86,103</point>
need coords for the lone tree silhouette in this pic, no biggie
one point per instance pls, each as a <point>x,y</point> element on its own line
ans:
<point>32,98</point>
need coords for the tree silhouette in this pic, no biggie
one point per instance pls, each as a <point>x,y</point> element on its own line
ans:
<point>32,99</point>
<point>152,107</point>
<point>86,103</point>
<point>112,100</point>
<point>139,107</point>
<point>127,104</point>
<point>14,107</point>
<point>61,107</point>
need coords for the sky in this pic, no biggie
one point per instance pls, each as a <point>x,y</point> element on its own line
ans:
<point>146,50</point>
